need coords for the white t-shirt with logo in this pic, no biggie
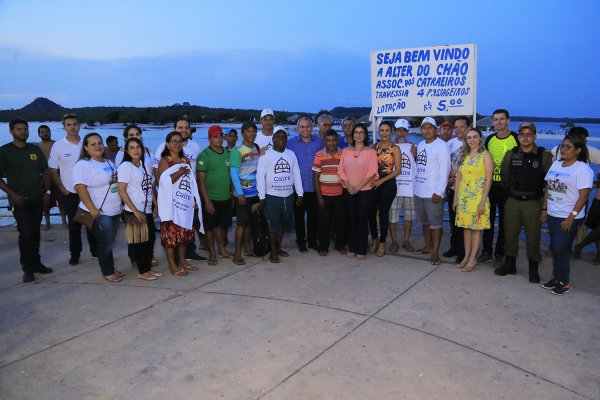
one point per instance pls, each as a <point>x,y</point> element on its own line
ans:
<point>139,185</point>
<point>433,167</point>
<point>98,177</point>
<point>278,174</point>
<point>148,158</point>
<point>564,184</point>
<point>405,180</point>
<point>262,140</point>
<point>63,157</point>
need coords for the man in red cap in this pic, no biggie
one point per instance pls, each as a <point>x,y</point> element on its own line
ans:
<point>214,183</point>
<point>446,130</point>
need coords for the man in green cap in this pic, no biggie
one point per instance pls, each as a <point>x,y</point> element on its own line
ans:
<point>523,171</point>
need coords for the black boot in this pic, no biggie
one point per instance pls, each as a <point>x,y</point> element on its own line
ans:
<point>509,266</point>
<point>534,276</point>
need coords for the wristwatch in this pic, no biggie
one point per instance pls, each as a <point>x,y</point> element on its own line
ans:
<point>48,192</point>
<point>574,213</point>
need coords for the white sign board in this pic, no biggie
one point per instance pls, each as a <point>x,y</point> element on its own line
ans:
<point>424,81</point>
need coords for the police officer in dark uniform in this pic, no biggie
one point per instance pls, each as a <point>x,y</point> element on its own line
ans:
<point>523,171</point>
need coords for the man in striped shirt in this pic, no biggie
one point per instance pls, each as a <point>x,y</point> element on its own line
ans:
<point>329,193</point>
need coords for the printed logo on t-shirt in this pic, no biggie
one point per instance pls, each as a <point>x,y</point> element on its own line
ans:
<point>422,158</point>
<point>406,161</point>
<point>282,167</point>
<point>556,185</point>
<point>147,182</point>
<point>184,184</point>
<point>33,156</point>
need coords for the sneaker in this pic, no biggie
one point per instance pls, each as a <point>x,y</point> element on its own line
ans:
<point>74,260</point>
<point>484,257</point>
<point>42,269</point>
<point>192,255</point>
<point>551,284</point>
<point>561,288</point>
<point>28,277</point>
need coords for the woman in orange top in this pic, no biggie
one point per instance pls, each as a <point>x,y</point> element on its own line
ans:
<point>357,169</point>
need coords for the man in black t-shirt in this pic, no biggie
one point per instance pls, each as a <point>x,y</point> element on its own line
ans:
<point>28,187</point>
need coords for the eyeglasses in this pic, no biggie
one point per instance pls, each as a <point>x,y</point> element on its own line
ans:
<point>176,142</point>
<point>326,124</point>
<point>567,147</point>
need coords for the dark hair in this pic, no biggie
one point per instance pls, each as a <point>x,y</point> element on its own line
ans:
<point>249,124</point>
<point>165,151</point>
<point>232,130</point>
<point>466,119</point>
<point>111,139</point>
<point>579,143</point>
<point>83,154</point>
<point>364,127</point>
<point>181,119</point>
<point>578,131</point>
<point>69,116</point>
<point>128,127</point>
<point>331,132</point>
<point>43,126</point>
<point>16,121</point>
<point>501,111</point>
<point>126,156</point>
<point>388,123</point>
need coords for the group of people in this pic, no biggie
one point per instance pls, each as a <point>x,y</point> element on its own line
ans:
<point>330,188</point>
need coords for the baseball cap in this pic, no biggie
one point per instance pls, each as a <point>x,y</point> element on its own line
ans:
<point>265,112</point>
<point>215,130</point>
<point>429,120</point>
<point>279,128</point>
<point>401,124</point>
<point>529,125</point>
<point>446,123</point>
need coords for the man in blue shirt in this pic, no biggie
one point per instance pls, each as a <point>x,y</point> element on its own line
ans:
<point>305,146</point>
<point>347,125</point>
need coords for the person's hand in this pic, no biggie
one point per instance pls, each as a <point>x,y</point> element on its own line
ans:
<point>184,170</point>
<point>321,202</point>
<point>376,183</point>
<point>242,200</point>
<point>543,216</point>
<point>17,199</point>
<point>299,201</point>
<point>95,214</point>
<point>140,216</point>
<point>209,207</point>
<point>566,224</point>
<point>155,211</point>
<point>481,209</point>
<point>436,198</point>
<point>451,181</point>
<point>262,203</point>
<point>454,204</point>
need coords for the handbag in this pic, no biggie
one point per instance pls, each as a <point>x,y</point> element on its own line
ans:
<point>136,231</point>
<point>84,218</point>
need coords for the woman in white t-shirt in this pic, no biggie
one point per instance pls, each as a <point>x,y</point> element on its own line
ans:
<point>136,191</point>
<point>569,182</point>
<point>95,179</point>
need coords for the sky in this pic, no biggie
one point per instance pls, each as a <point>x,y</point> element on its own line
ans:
<point>536,58</point>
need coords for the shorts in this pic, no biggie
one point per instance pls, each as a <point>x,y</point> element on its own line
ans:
<point>220,218</point>
<point>172,235</point>
<point>280,213</point>
<point>242,213</point>
<point>429,213</point>
<point>593,215</point>
<point>402,203</point>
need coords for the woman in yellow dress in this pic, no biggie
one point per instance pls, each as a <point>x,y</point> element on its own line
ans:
<point>471,203</point>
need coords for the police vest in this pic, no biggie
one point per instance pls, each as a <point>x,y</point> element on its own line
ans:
<point>526,174</point>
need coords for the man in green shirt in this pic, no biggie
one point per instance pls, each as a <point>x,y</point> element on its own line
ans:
<point>24,165</point>
<point>214,183</point>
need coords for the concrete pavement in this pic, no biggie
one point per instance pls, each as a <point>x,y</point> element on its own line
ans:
<point>308,328</point>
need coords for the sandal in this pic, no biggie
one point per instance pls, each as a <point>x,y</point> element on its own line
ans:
<point>156,274</point>
<point>394,247</point>
<point>323,253</point>
<point>147,278</point>
<point>359,257</point>
<point>249,254</point>
<point>179,272</point>
<point>380,250</point>
<point>350,254</point>
<point>239,261</point>
<point>212,262</point>
<point>274,259</point>
<point>228,255</point>
<point>420,252</point>
<point>119,274</point>
<point>283,253</point>
<point>435,262</point>
<point>469,267</point>
<point>189,267</point>
<point>114,278</point>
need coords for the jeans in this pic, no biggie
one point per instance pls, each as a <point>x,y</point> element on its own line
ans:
<point>104,232</point>
<point>358,206</point>
<point>561,242</point>
<point>383,197</point>
<point>29,217</point>
<point>497,200</point>
<point>71,202</point>
<point>333,210</point>
<point>306,232</point>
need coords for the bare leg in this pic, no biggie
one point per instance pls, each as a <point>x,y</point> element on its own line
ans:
<point>274,249</point>
<point>468,247</point>
<point>394,236</point>
<point>475,242</point>
<point>221,236</point>
<point>427,236</point>
<point>247,241</point>
<point>183,265</point>
<point>407,229</point>
<point>210,241</point>
<point>173,267</point>
<point>239,238</point>
<point>47,218</point>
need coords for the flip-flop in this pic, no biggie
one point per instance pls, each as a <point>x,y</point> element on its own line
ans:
<point>274,260</point>
<point>251,254</point>
<point>156,274</point>
<point>225,256</point>
<point>435,262</point>
<point>212,262</point>
<point>359,257</point>
<point>179,272</point>
<point>283,253</point>
<point>239,262</point>
<point>147,278</point>
<point>420,252</point>
<point>114,278</point>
